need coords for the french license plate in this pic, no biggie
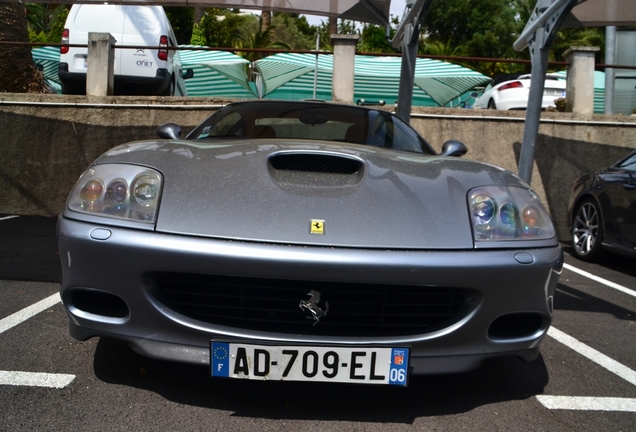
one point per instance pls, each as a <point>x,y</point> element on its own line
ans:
<point>360,365</point>
<point>554,92</point>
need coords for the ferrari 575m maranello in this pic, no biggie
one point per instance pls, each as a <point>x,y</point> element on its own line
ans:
<point>307,241</point>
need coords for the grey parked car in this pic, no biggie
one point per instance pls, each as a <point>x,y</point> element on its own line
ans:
<point>307,241</point>
<point>602,211</point>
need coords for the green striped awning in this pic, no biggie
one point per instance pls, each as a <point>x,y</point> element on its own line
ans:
<point>216,73</point>
<point>48,58</point>
<point>291,76</point>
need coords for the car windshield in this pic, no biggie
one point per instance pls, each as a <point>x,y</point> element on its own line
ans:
<point>312,121</point>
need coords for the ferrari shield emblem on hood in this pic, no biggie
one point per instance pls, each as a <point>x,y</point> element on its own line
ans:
<point>317,227</point>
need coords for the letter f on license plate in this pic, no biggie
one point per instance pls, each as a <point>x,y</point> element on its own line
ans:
<point>362,365</point>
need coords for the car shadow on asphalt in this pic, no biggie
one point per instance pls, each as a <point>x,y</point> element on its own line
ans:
<point>497,380</point>
<point>571,299</point>
<point>612,261</point>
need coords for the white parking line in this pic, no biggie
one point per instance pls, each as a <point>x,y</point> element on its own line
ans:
<point>601,280</point>
<point>35,379</point>
<point>32,379</point>
<point>588,403</point>
<point>592,403</point>
<point>596,356</point>
<point>28,312</point>
<point>9,217</point>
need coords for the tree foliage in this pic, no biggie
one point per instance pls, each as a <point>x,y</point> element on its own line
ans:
<point>182,21</point>
<point>294,31</point>
<point>45,24</point>
<point>484,28</point>
<point>373,38</point>
<point>213,30</point>
<point>567,38</point>
<point>255,37</point>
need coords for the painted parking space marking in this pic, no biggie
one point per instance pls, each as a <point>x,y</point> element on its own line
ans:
<point>590,403</point>
<point>35,379</point>
<point>596,356</point>
<point>26,313</point>
<point>601,280</point>
<point>629,375</point>
<point>8,217</point>
<point>32,379</point>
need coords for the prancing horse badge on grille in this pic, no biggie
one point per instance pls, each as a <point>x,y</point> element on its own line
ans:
<point>311,305</point>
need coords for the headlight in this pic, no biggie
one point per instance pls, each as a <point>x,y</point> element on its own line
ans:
<point>508,213</point>
<point>117,191</point>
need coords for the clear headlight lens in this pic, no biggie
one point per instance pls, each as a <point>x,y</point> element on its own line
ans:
<point>118,191</point>
<point>508,213</point>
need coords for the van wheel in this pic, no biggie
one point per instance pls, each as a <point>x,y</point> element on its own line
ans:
<point>170,90</point>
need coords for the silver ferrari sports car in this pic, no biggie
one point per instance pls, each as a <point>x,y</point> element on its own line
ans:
<point>307,241</point>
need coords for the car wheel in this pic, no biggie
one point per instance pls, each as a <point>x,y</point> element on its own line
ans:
<point>491,104</point>
<point>587,231</point>
<point>170,90</point>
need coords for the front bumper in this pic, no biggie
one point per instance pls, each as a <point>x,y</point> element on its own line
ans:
<point>503,288</point>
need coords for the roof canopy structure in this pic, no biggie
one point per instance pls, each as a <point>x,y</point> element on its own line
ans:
<point>602,13</point>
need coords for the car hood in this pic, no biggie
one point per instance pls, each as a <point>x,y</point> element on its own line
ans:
<point>277,190</point>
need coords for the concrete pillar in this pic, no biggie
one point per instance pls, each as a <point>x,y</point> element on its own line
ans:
<point>579,96</point>
<point>100,65</point>
<point>344,54</point>
<point>610,73</point>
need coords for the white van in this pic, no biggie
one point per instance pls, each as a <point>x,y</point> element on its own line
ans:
<point>139,71</point>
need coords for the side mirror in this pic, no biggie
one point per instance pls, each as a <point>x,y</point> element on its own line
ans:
<point>189,73</point>
<point>169,131</point>
<point>453,148</point>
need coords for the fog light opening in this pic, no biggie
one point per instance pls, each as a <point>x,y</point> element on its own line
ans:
<point>99,303</point>
<point>515,326</point>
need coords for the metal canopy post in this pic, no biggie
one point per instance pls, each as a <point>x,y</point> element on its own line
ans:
<point>407,38</point>
<point>407,74</point>
<point>540,31</point>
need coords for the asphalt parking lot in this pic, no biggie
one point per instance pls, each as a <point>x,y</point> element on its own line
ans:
<point>585,378</point>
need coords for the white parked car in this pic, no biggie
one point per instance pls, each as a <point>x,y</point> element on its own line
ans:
<point>138,71</point>
<point>510,92</point>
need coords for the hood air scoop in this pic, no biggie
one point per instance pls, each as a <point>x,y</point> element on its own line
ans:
<point>316,163</point>
<point>315,169</point>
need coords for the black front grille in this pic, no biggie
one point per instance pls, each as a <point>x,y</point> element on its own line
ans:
<point>315,163</point>
<point>272,305</point>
